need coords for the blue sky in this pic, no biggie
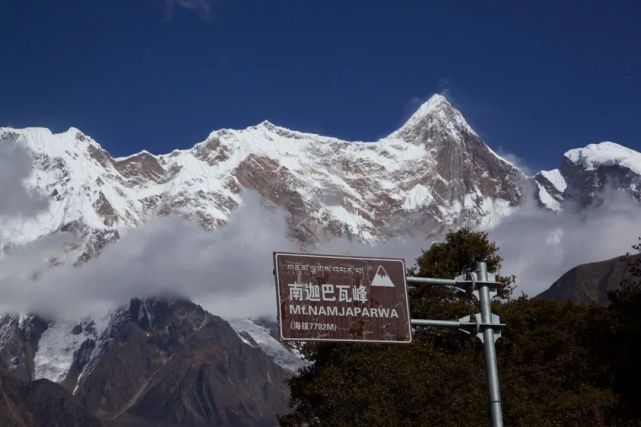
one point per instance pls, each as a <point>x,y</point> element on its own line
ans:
<point>533,79</point>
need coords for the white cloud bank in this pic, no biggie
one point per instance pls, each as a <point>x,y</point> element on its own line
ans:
<point>229,271</point>
<point>165,257</point>
<point>539,246</point>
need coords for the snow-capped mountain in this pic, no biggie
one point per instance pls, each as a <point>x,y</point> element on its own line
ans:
<point>585,172</point>
<point>431,173</point>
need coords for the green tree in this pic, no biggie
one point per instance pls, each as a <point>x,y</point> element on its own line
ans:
<point>553,364</point>
<point>454,256</point>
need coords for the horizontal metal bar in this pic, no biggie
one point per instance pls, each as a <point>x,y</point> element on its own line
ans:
<point>450,323</point>
<point>455,324</point>
<point>430,281</point>
<point>496,326</point>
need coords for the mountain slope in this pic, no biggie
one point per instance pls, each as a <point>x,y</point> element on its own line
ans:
<point>589,283</point>
<point>40,403</point>
<point>175,352</point>
<point>149,351</point>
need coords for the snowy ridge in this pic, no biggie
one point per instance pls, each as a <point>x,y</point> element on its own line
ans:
<point>432,173</point>
<point>57,346</point>
<point>332,187</point>
<point>556,179</point>
<point>585,173</point>
<point>547,200</point>
<point>606,154</point>
<point>258,336</point>
<point>550,188</point>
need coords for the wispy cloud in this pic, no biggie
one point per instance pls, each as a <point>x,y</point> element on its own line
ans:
<point>517,161</point>
<point>201,8</point>
<point>444,87</point>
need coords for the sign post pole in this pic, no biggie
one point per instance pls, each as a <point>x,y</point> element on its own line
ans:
<point>491,369</point>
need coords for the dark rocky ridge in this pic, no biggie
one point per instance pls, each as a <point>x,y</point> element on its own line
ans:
<point>589,283</point>
<point>40,403</point>
<point>19,337</point>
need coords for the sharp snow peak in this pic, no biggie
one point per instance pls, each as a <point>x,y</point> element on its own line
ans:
<point>436,110</point>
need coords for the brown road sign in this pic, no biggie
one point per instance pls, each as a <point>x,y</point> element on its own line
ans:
<point>338,298</point>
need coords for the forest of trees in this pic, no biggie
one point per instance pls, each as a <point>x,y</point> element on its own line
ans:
<point>560,364</point>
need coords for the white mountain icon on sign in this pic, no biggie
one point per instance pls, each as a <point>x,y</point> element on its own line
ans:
<point>381,278</point>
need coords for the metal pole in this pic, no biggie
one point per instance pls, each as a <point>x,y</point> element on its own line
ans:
<point>491,369</point>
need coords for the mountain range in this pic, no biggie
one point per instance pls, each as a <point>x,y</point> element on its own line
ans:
<point>432,174</point>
